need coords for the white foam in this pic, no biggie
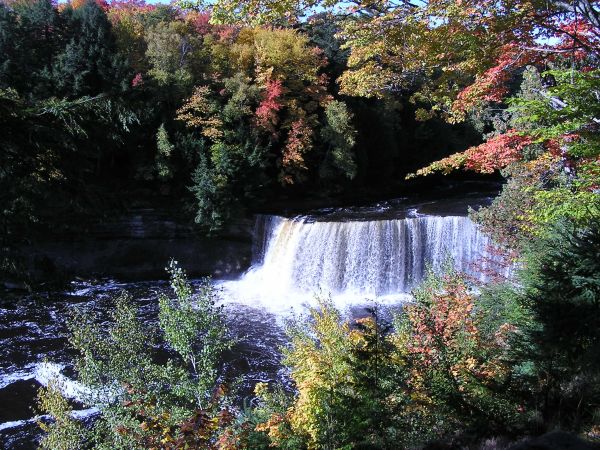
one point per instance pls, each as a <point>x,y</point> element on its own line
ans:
<point>48,371</point>
<point>20,423</point>
<point>246,292</point>
<point>80,414</point>
<point>44,373</point>
<point>19,375</point>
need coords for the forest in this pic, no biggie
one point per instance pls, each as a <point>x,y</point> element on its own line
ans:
<point>222,110</point>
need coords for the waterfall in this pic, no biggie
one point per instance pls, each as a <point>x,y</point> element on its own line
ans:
<point>360,258</point>
<point>263,230</point>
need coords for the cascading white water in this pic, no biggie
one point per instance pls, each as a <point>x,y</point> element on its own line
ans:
<point>358,259</point>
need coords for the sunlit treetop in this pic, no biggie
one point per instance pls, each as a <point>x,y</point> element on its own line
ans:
<point>453,53</point>
<point>261,12</point>
<point>75,4</point>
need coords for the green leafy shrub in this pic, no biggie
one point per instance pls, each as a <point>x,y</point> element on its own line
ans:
<point>349,391</point>
<point>64,432</point>
<point>144,403</point>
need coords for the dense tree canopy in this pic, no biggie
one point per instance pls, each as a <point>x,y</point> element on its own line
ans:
<point>225,106</point>
<point>464,61</point>
<point>220,117</point>
<point>220,108</point>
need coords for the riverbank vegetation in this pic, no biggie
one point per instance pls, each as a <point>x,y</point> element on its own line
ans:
<point>456,366</point>
<point>225,107</point>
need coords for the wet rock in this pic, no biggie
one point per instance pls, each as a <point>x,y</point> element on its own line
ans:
<point>138,246</point>
<point>20,436</point>
<point>17,400</point>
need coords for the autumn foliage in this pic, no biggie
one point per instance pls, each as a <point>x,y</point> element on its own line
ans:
<point>266,113</point>
<point>441,368</point>
<point>497,153</point>
<point>456,362</point>
<point>204,429</point>
<point>493,84</point>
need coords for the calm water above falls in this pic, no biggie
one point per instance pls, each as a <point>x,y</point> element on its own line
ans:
<point>356,256</point>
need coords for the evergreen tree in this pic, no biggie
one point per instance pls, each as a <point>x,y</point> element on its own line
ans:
<point>30,36</point>
<point>339,136</point>
<point>89,64</point>
<point>559,348</point>
<point>164,150</point>
<point>8,50</point>
<point>42,33</point>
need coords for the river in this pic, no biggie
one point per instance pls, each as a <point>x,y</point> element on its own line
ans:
<point>358,256</point>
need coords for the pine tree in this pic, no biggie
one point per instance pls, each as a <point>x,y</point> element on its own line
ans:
<point>560,343</point>
<point>8,34</point>
<point>89,64</point>
<point>30,36</point>
<point>164,150</point>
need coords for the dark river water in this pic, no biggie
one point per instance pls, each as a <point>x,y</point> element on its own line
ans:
<point>33,347</point>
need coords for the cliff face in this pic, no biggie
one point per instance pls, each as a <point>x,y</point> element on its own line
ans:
<point>138,245</point>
